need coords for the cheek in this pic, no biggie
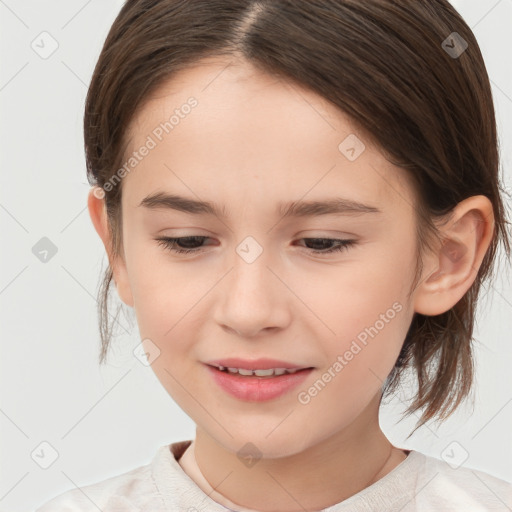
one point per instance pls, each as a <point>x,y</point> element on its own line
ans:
<point>161,288</point>
<point>166,315</point>
<point>168,306</point>
<point>367,315</point>
<point>353,297</point>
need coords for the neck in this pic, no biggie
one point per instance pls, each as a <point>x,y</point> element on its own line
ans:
<point>315,478</point>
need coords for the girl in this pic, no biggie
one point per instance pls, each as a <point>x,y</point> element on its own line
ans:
<point>300,200</point>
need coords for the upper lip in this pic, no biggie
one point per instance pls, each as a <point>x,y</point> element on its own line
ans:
<point>255,364</point>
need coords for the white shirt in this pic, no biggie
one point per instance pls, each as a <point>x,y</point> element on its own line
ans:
<point>419,483</point>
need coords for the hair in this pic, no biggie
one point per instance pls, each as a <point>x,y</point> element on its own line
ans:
<point>382,62</point>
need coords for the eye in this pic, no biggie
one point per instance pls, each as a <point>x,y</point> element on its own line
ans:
<point>341,245</point>
<point>173,244</point>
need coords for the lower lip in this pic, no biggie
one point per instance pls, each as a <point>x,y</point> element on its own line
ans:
<point>258,389</point>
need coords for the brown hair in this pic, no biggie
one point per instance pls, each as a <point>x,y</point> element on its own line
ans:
<point>380,61</point>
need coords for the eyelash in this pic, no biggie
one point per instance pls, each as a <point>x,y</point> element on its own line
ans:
<point>170,244</point>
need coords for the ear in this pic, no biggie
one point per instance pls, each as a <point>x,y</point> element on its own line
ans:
<point>453,268</point>
<point>98,214</point>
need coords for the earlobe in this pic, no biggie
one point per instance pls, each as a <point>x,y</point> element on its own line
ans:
<point>98,215</point>
<point>452,269</point>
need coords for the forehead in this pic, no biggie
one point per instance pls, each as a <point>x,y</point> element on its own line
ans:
<point>252,133</point>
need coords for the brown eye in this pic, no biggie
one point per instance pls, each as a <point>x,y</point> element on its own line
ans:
<point>191,244</point>
<point>341,245</point>
<point>172,244</point>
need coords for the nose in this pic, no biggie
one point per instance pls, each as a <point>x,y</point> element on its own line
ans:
<point>253,299</point>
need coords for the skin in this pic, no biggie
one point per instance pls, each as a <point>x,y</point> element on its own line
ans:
<point>252,142</point>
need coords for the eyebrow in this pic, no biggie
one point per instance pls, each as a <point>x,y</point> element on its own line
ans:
<point>337,205</point>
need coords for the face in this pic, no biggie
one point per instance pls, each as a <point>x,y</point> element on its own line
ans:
<point>262,284</point>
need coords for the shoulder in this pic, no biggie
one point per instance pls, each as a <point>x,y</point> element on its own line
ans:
<point>440,484</point>
<point>131,491</point>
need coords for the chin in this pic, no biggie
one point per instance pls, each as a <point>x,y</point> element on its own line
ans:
<point>255,443</point>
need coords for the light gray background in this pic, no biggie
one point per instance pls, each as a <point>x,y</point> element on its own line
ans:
<point>108,420</point>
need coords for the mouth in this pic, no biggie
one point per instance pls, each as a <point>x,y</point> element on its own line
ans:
<point>263,373</point>
<point>257,384</point>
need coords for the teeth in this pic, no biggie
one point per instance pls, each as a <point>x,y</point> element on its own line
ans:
<point>247,372</point>
<point>259,373</point>
<point>266,373</point>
